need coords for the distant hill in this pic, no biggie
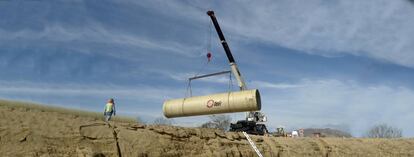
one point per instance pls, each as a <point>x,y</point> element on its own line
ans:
<point>325,132</point>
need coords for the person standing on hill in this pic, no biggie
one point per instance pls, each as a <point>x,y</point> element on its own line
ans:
<point>109,109</point>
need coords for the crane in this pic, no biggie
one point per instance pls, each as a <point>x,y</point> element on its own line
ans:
<point>254,121</point>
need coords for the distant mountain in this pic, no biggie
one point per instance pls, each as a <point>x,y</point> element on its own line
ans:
<point>326,132</point>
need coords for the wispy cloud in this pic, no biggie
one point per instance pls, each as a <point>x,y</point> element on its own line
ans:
<point>95,33</point>
<point>144,93</point>
<point>378,29</point>
<point>264,84</point>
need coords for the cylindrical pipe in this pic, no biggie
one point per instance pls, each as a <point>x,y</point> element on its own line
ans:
<point>240,101</point>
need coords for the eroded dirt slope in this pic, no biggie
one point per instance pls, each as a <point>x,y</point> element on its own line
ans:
<point>31,132</point>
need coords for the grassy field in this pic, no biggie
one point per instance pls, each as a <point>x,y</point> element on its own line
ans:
<point>81,113</point>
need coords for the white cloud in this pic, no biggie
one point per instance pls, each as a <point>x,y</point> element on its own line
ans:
<point>264,84</point>
<point>95,33</point>
<point>141,92</point>
<point>380,29</point>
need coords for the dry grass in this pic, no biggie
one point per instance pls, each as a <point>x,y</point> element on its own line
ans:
<point>81,113</point>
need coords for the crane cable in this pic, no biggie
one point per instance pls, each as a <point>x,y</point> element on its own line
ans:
<point>208,39</point>
<point>208,48</point>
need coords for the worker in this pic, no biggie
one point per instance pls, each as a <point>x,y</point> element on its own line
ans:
<point>109,109</point>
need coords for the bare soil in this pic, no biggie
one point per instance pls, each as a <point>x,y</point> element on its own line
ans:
<point>30,132</point>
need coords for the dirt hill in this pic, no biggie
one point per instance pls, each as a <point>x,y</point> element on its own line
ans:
<point>40,132</point>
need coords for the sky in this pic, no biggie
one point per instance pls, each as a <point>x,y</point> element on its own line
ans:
<point>345,64</point>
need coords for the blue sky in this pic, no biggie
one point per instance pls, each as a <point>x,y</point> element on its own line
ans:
<point>347,64</point>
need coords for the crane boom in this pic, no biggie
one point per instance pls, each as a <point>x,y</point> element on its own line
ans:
<point>233,65</point>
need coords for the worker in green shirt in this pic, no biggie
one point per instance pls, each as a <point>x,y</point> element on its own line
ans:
<point>109,109</point>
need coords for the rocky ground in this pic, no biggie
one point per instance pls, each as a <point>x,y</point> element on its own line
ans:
<point>36,132</point>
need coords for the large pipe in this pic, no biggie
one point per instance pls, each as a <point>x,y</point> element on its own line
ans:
<point>240,101</point>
